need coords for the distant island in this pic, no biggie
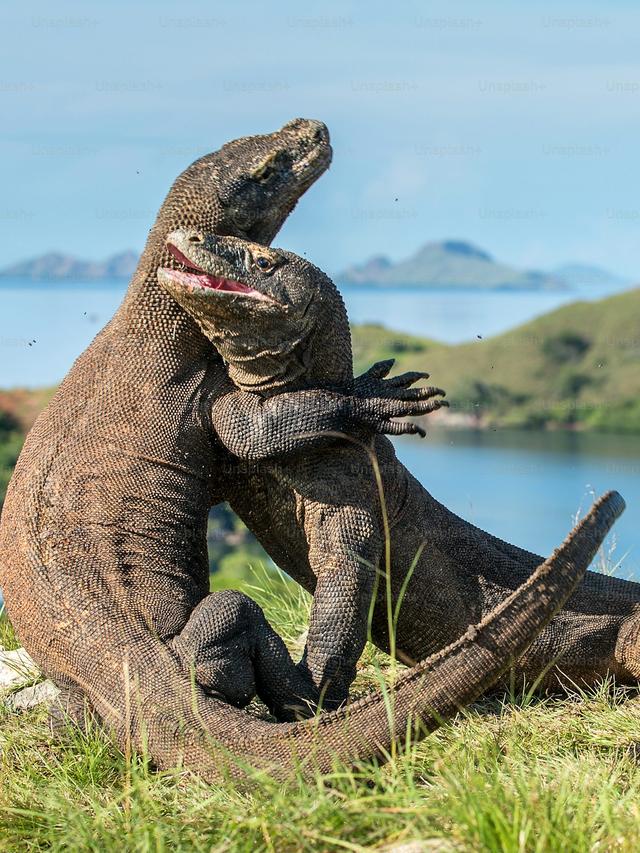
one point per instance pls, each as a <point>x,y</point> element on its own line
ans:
<point>578,275</point>
<point>55,266</point>
<point>445,264</point>
<point>460,264</point>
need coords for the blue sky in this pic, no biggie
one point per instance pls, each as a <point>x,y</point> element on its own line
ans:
<point>512,125</point>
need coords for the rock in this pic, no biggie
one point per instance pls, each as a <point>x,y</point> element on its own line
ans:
<point>30,697</point>
<point>16,668</point>
<point>429,845</point>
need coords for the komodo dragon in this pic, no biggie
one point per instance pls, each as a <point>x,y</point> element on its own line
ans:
<point>320,510</point>
<point>103,532</point>
<point>234,653</point>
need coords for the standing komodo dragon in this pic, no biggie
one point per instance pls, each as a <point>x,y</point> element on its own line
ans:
<point>103,535</point>
<point>318,512</point>
<point>103,551</point>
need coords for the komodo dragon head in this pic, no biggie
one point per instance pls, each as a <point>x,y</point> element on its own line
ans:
<point>248,187</point>
<point>259,179</point>
<point>274,317</point>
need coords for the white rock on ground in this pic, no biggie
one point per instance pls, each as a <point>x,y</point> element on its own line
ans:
<point>30,697</point>
<point>16,668</point>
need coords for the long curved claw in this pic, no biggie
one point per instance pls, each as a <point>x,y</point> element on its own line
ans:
<point>377,371</point>
<point>402,428</point>
<point>404,380</point>
<point>414,393</point>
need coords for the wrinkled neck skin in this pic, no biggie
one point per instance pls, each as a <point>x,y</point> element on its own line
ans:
<point>267,369</point>
<point>148,312</point>
<point>318,357</point>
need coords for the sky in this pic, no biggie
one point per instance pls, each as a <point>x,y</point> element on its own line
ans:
<point>512,125</point>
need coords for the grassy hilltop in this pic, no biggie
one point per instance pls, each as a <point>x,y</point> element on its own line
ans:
<point>578,366</point>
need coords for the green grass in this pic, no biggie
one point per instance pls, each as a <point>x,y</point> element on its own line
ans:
<point>8,639</point>
<point>513,774</point>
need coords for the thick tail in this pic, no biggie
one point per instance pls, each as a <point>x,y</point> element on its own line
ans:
<point>180,725</point>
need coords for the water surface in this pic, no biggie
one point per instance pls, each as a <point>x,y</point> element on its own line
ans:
<point>526,487</point>
<point>522,486</point>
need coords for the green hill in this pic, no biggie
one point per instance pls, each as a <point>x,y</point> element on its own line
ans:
<point>578,367</point>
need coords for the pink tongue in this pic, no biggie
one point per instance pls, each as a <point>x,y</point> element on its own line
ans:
<point>215,283</point>
<point>225,284</point>
<point>203,279</point>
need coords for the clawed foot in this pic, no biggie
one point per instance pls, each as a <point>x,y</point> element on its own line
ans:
<point>381,399</point>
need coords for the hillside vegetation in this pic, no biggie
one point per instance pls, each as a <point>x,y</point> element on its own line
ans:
<point>576,367</point>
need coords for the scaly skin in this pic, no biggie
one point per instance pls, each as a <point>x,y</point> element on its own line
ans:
<point>102,538</point>
<point>103,533</point>
<point>319,515</point>
<point>234,652</point>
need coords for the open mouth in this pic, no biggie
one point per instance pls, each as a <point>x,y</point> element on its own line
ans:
<point>193,276</point>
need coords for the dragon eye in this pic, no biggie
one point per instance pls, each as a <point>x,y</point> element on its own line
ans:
<point>265,264</point>
<point>264,172</point>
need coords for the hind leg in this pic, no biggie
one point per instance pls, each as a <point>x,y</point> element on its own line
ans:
<point>235,653</point>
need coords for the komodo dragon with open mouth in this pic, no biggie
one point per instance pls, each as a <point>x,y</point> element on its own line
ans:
<point>103,535</point>
<point>319,512</point>
<point>103,532</point>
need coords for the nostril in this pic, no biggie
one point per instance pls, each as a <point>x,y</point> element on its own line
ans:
<point>320,135</point>
<point>196,238</point>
